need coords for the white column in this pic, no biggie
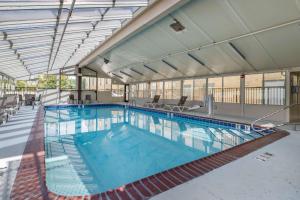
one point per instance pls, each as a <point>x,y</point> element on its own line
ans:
<point>242,94</point>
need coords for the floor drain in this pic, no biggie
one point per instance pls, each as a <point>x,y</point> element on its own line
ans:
<point>264,157</point>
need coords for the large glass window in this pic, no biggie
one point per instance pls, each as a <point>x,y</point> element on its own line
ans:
<point>47,82</point>
<point>117,90</point>
<point>168,90</point>
<point>172,89</point>
<point>187,89</point>
<point>215,88</point>
<point>231,89</point>
<point>104,84</point>
<point>93,83</point>
<point>254,89</point>
<point>274,88</point>
<point>133,91</point>
<point>85,83</point>
<point>156,88</point>
<point>199,89</point>
<point>68,82</point>
<point>142,90</point>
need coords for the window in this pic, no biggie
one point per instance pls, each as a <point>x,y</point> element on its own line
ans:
<point>46,82</point>
<point>274,88</point>
<point>88,83</point>
<point>215,88</point>
<point>68,82</point>
<point>156,88</point>
<point>231,89</point>
<point>85,83</point>
<point>133,91</point>
<point>199,89</point>
<point>187,89</point>
<point>142,90</point>
<point>172,89</point>
<point>104,84</point>
<point>93,83</point>
<point>254,89</point>
<point>168,90</point>
<point>117,90</point>
<point>176,89</point>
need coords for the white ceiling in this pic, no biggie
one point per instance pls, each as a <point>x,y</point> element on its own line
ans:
<point>41,36</point>
<point>266,32</point>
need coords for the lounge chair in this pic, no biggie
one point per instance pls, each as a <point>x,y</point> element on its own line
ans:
<point>179,106</point>
<point>154,102</point>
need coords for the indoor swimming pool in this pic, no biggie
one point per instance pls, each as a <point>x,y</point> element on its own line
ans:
<point>97,148</point>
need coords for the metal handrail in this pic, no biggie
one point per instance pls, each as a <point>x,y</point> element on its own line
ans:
<point>269,115</point>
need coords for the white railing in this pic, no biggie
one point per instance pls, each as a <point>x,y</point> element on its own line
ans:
<point>269,115</point>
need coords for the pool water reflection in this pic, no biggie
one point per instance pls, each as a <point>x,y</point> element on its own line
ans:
<point>94,149</point>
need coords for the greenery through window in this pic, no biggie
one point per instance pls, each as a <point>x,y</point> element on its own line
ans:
<point>68,82</point>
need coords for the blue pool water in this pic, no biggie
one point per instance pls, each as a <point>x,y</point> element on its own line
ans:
<point>94,149</point>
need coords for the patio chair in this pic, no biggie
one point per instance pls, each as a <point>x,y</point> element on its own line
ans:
<point>39,100</point>
<point>21,101</point>
<point>28,99</point>
<point>10,104</point>
<point>71,99</point>
<point>154,102</point>
<point>88,99</point>
<point>179,106</point>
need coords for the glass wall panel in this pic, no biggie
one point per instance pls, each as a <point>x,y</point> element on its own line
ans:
<point>231,89</point>
<point>187,89</point>
<point>142,90</point>
<point>68,82</point>
<point>254,89</point>
<point>117,90</point>
<point>104,84</point>
<point>215,88</point>
<point>274,88</point>
<point>93,83</point>
<point>133,91</point>
<point>85,83</point>
<point>199,89</point>
<point>168,90</point>
<point>176,90</point>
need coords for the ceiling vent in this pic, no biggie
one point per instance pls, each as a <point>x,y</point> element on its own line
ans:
<point>177,26</point>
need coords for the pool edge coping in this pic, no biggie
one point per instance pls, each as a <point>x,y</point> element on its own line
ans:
<point>152,185</point>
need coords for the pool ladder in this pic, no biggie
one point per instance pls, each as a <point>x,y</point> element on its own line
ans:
<point>269,115</point>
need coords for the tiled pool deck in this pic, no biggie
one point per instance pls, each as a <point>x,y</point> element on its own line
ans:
<point>30,179</point>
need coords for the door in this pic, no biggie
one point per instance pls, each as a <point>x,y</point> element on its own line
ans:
<point>126,93</point>
<point>295,97</point>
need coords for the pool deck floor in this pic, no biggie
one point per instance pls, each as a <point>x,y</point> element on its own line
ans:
<point>271,172</point>
<point>255,176</point>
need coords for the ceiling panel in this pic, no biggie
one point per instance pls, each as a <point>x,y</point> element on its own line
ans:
<point>283,45</point>
<point>188,65</point>
<point>217,60</point>
<point>259,14</point>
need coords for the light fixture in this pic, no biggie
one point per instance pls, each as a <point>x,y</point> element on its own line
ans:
<point>177,26</point>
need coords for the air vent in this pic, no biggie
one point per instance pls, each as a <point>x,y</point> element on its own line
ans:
<point>177,26</point>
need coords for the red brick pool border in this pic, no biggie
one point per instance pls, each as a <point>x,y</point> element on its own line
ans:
<point>30,181</point>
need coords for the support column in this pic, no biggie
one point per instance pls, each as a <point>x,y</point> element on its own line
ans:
<point>79,80</point>
<point>242,94</point>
